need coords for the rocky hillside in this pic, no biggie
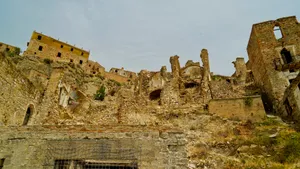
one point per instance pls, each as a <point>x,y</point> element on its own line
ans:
<point>213,142</point>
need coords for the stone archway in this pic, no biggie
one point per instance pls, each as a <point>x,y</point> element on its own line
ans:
<point>28,115</point>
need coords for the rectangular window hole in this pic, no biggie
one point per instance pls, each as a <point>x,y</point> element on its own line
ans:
<point>7,49</point>
<point>40,48</point>
<point>61,46</point>
<point>81,53</point>
<point>71,60</point>
<point>0,44</point>
<point>39,37</point>
<point>72,49</point>
<point>80,62</point>
<point>27,43</point>
<point>58,54</point>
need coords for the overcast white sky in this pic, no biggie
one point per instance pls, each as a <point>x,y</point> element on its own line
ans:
<point>143,34</point>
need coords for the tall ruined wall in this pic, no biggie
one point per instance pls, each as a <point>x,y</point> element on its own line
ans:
<point>264,48</point>
<point>17,94</point>
<point>35,147</point>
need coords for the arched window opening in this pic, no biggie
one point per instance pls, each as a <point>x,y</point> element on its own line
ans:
<point>155,95</point>
<point>28,114</point>
<point>286,56</point>
<point>277,32</point>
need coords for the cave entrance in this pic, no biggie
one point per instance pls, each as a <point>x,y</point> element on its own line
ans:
<point>191,85</point>
<point>28,114</point>
<point>154,95</point>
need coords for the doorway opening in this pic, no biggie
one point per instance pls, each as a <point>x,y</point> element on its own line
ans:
<point>28,114</point>
<point>286,56</point>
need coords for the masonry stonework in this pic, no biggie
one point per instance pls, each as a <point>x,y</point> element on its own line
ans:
<point>46,47</point>
<point>272,44</point>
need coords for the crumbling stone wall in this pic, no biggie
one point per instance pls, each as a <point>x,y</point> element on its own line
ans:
<point>240,70</point>
<point>246,108</point>
<point>124,73</point>
<point>94,68</point>
<point>264,49</point>
<point>154,148</point>
<point>8,48</point>
<point>17,94</point>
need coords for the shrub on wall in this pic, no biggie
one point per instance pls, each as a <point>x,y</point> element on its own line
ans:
<point>249,101</point>
<point>100,94</point>
<point>48,61</point>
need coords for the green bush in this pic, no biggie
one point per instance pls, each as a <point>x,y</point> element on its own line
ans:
<point>290,152</point>
<point>48,61</point>
<point>248,101</point>
<point>100,94</point>
<point>17,51</point>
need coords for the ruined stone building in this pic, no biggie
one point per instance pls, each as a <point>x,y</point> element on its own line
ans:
<point>92,67</point>
<point>274,50</point>
<point>122,72</point>
<point>51,117</point>
<point>47,47</point>
<point>9,48</point>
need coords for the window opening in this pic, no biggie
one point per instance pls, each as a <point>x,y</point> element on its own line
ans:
<point>39,37</point>
<point>277,32</point>
<point>61,46</point>
<point>40,48</point>
<point>286,56</point>
<point>58,54</point>
<point>27,43</point>
<point>0,44</point>
<point>71,60</point>
<point>81,53</point>
<point>72,49</point>
<point>28,115</point>
<point>80,62</point>
<point>7,49</point>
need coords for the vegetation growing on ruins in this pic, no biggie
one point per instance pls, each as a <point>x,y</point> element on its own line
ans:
<point>248,101</point>
<point>100,94</point>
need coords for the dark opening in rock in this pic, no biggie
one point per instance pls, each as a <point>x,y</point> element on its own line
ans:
<point>154,95</point>
<point>191,85</point>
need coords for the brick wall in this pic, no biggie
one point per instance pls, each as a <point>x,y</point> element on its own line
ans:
<point>29,147</point>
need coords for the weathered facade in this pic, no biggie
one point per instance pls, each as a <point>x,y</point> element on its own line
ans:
<point>47,47</point>
<point>96,147</point>
<point>9,48</point>
<point>124,73</point>
<point>92,67</point>
<point>272,45</point>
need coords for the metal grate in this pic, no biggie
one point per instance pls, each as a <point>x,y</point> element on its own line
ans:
<point>91,154</point>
